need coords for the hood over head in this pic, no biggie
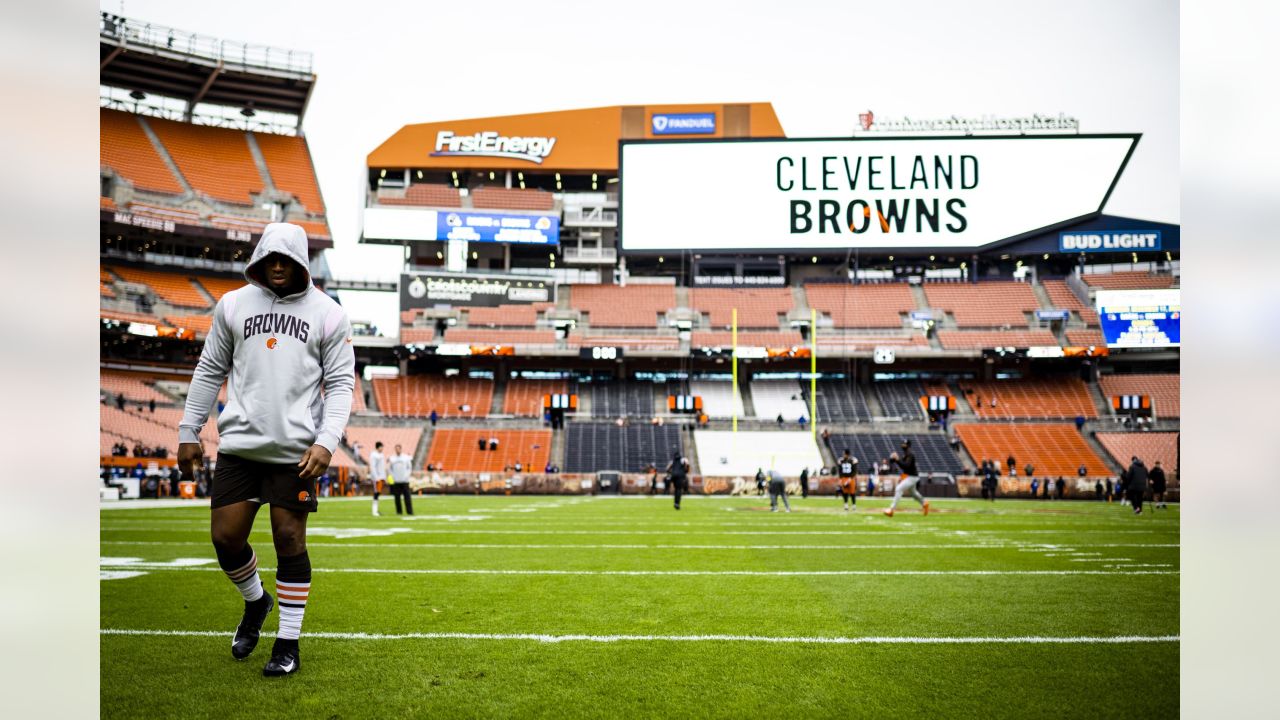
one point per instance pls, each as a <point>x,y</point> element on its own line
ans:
<point>289,240</point>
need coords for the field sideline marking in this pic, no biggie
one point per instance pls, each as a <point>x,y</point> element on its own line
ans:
<point>633,573</point>
<point>549,546</point>
<point>869,640</point>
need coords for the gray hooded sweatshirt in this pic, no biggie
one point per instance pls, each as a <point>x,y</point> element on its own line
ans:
<point>276,354</point>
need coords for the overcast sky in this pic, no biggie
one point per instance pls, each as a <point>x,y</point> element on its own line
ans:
<point>1113,65</point>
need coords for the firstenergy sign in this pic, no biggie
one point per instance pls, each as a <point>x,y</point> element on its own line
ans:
<point>492,144</point>
<point>908,193</point>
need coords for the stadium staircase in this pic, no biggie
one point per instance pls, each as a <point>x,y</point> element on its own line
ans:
<point>963,407</point>
<point>424,443</point>
<point>372,403</point>
<point>1099,399</point>
<point>204,294</point>
<point>748,405</point>
<point>917,292</point>
<point>873,401</point>
<point>1100,451</point>
<point>691,450</point>
<point>260,163</point>
<point>557,448</point>
<point>801,301</point>
<point>166,157</point>
<point>498,405</point>
<point>1042,296</point>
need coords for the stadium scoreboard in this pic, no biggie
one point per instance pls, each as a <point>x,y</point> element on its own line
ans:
<point>1141,318</point>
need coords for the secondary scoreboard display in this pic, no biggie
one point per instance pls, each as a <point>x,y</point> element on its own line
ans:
<point>1141,318</point>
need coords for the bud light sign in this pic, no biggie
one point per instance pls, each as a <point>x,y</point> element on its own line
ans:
<point>1109,241</point>
<point>684,124</point>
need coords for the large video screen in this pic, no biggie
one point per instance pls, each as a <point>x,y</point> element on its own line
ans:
<point>833,194</point>
<point>1140,318</point>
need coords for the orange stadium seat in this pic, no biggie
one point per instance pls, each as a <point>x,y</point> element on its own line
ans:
<point>173,288</point>
<point>1063,299</point>
<point>131,317</point>
<point>635,306</point>
<point>512,199</point>
<point>757,339</point>
<point>635,342</point>
<point>1053,448</point>
<point>1165,390</point>
<point>125,148</point>
<point>425,194</point>
<point>459,451</point>
<point>1149,446</point>
<point>987,304</point>
<point>978,339</point>
<point>406,437</point>
<point>216,161</point>
<point>314,228</point>
<point>289,163</point>
<point>524,397</point>
<point>219,286</point>
<point>1064,397</point>
<point>418,395</point>
<point>199,323</point>
<point>106,203</point>
<point>864,341</point>
<point>500,337</point>
<point>757,307</point>
<point>417,335</point>
<point>135,386</point>
<point>178,215</point>
<point>158,429</point>
<point>506,315</point>
<point>1084,338</point>
<point>862,306</point>
<point>1128,281</point>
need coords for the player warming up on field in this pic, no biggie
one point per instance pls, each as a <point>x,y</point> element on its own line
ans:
<point>278,342</point>
<point>910,477</point>
<point>377,473</point>
<point>847,469</point>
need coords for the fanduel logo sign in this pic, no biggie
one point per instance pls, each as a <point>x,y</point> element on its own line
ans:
<point>1109,241</point>
<point>491,144</point>
<point>684,124</point>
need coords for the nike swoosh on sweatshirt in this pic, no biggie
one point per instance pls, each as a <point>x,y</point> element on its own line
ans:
<point>277,355</point>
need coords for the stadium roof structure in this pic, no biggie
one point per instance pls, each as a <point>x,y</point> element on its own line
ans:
<point>573,140</point>
<point>153,59</point>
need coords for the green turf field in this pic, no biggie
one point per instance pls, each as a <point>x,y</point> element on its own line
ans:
<point>622,607</point>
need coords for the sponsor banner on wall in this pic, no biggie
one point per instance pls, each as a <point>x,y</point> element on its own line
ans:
<point>1109,241</point>
<point>683,123</point>
<point>400,224</point>
<point>427,290</point>
<point>732,281</point>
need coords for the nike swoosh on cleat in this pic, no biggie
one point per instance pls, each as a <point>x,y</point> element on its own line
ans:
<point>287,668</point>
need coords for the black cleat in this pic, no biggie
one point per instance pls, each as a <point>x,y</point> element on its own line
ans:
<point>250,627</point>
<point>284,659</point>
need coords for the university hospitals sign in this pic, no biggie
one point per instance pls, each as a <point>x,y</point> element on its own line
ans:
<point>832,194</point>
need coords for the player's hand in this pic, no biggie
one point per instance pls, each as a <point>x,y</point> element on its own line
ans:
<point>314,462</point>
<point>893,456</point>
<point>190,457</point>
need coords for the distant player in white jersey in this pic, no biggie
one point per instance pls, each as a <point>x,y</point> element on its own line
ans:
<point>377,473</point>
<point>910,477</point>
<point>400,465</point>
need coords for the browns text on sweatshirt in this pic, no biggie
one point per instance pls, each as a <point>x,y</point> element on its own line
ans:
<point>277,355</point>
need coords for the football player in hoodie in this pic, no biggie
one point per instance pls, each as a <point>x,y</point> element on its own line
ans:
<point>284,349</point>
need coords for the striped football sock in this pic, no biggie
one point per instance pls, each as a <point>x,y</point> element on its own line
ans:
<point>293,585</point>
<point>242,569</point>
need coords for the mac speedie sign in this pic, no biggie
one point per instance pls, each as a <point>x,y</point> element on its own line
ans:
<point>834,194</point>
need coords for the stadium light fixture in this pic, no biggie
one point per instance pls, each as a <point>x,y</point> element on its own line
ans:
<point>815,259</point>
<point>439,255</point>
<point>890,258</point>
<point>1046,256</point>
<point>930,258</point>
<point>420,175</point>
<point>138,95</point>
<point>247,111</point>
<point>612,180</point>
<point>660,259</point>
<point>490,174</point>
<point>520,176</point>
<point>382,173</point>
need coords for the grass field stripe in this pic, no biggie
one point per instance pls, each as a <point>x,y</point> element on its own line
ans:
<point>674,573</point>
<point>817,640</point>
<point>480,531</point>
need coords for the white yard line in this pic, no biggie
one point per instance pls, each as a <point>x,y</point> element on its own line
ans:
<point>817,640</point>
<point>553,546</point>
<point>665,573</point>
